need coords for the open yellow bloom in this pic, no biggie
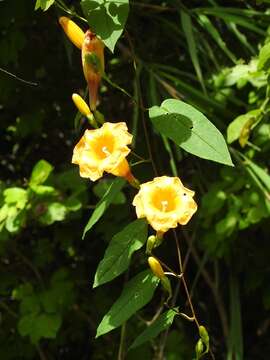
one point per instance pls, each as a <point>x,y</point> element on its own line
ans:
<point>165,203</point>
<point>104,149</point>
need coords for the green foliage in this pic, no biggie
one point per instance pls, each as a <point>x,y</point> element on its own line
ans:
<point>107,18</point>
<point>191,130</point>
<point>136,294</point>
<point>211,61</point>
<point>41,312</point>
<point>40,173</point>
<point>44,4</point>
<point>164,321</point>
<point>104,203</point>
<point>118,254</point>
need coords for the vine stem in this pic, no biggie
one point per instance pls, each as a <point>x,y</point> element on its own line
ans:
<point>120,355</point>
<point>194,316</point>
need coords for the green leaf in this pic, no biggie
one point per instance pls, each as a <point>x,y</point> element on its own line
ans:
<point>235,128</point>
<point>137,293</point>
<point>191,130</point>
<point>102,186</point>
<point>118,254</point>
<point>264,57</point>
<point>106,18</point>
<point>163,322</point>
<point>103,204</point>
<point>44,190</point>
<point>212,30</point>
<point>15,220</point>
<point>260,173</point>
<point>40,172</point>
<point>55,212</point>
<point>44,4</point>
<point>39,326</point>
<point>192,47</point>
<point>16,196</point>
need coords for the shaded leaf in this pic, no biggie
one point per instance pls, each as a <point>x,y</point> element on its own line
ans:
<point>103,204</point>
<point>137,293</point>
<point>163,322</point>
<point>188,30</point>
<point>102,186</point>
<point>118,254</point>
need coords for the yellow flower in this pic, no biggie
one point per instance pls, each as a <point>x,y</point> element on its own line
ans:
<point>165,202</point>
<point>104,149</point>
<point>73,31</point>
<point>81,104</point>
<point>93,64</point>
<point>156,267</point>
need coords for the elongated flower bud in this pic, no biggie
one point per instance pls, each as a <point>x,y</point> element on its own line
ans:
<point>93,65</point>
<point>73,31</point>
<point>156,267</point>
<point>81,104</point>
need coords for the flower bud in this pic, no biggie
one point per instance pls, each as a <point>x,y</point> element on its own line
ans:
<point>81,104</point>
<point>166,284</point>
<point>150,244</point>
<point>93,64</point>
<point>73,31</point>
<point>199,349</point>
<point>156,267</point>
<point>204,336</point>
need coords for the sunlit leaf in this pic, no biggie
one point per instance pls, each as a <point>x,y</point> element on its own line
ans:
<point>106,18</point>
<point>40,172</point>
<point>191,130</point>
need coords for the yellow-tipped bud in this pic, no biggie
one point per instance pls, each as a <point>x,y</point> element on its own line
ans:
<point>156,267</point>
<point>72,30</point>
<point>93,65</point>
<point>81,104</point>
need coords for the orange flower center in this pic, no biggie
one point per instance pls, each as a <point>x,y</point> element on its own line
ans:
<point>164,200</point>
<point>103,146</point>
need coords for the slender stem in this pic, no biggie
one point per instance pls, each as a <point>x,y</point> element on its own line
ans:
<point>18,78</point>
<point>120,355</point>
<point>217,297</point>
<point>186,287</point>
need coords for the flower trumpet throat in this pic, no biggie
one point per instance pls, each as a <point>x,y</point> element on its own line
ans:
<point>93,64</point>
<point>165,203</point>
<point>73,31</point>
<point>156,267</point>
<point>104,150</point>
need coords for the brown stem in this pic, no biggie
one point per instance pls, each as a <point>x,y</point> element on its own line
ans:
<point>217,298</point>
<point>186,287</point>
